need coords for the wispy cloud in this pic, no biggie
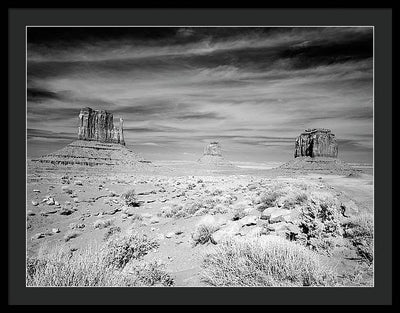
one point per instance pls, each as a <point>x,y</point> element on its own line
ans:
<point>253,89</point>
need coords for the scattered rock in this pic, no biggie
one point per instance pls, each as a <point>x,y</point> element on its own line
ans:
<point>34,203</point>
<point>248,220</point>
<point>50,201</point>
<point>78,183</point>
<point>38,236</point>
<point>230,230</point>
<point>55,230</point>
<point>278,215</point>
<point>154,220</point>
<point>169,235</point>
<point>66,211</point>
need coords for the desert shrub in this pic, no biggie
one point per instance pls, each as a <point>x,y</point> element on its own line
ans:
<point>239,212</point>
<point>122,249</point>
<point>130,198</point>
<point>264,261</point>
<point>360,231</point>
<point>111,231</point>
<point>296,199</point>
<point>71,234</point>
<point>320,226</point>
<point>151,274</point>
<point>204,230</point>
<point>175,211</point>
<point>136,217</point>
<point>100,224</point>
<point>88,268</point>
<point>267,200</point>
<point>198,208</point>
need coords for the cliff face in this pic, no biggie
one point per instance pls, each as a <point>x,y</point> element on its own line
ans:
<point>99,126</point>
<point>317,142</point>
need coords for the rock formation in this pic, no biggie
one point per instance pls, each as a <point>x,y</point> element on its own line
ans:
<point>316,150</point>
<point>316,142</point>
<point>99,143</point>
<point>213,156</point>
<point>214,148</point>
<point>99,126</point>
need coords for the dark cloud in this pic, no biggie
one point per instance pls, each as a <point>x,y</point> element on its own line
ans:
<point>253,87</point>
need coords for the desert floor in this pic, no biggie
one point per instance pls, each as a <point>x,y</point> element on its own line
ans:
<point>83,196</point>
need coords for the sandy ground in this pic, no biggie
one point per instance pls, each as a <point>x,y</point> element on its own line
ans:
<point>96,195</point>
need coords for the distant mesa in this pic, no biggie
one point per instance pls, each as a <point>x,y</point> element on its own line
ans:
<point>316,149</point>
<point>99,143</point>
<point>316,142</point>
<point>213,156</point>
<point>99,126</point>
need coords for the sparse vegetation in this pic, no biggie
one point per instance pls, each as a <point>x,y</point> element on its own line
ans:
<point>111,231</point>
<point>200,207</point>
<point>264,261</point>
<point>320,226</point>
<point>267,200</point>
<point>122,249</point>
<point>100,224</point>
<point>296,199</point>
<point>151,274</point>
<point>204,230</point>
<point>91,267</point>
<point>130,198</point>
<point>360,231</point>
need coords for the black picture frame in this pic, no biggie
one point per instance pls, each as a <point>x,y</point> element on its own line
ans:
<point>381,293</point>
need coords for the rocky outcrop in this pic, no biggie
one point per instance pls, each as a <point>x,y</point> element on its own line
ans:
<point>316,142</point>
<point>99,126</point>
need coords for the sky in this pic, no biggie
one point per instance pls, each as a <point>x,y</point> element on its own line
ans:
<point>177,88</point>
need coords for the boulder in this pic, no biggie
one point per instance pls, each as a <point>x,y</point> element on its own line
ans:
<point>230,230</point>
<point>248,220</point>
<point>278,215</point>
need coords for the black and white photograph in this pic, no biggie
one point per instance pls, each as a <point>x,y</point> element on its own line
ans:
<point>200,156</point>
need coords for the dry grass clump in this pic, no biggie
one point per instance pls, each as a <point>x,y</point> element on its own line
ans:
<point>111,231</point>
<point>204,230</point>
<point>151,274</point>
<point>130,198</point>
<point>264,261</point>
<point>268,199</point>
<point>122,249</point>
<point>320,226</point>
<point>100,224</point>
<point>200,207</point>
<point>295,199</point>
<point>360,231</point>
<point>95,266</point>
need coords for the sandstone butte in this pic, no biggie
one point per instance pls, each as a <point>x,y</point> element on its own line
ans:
<point>212,156</point>
<point>316,150</point>
<point>99,143</point>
